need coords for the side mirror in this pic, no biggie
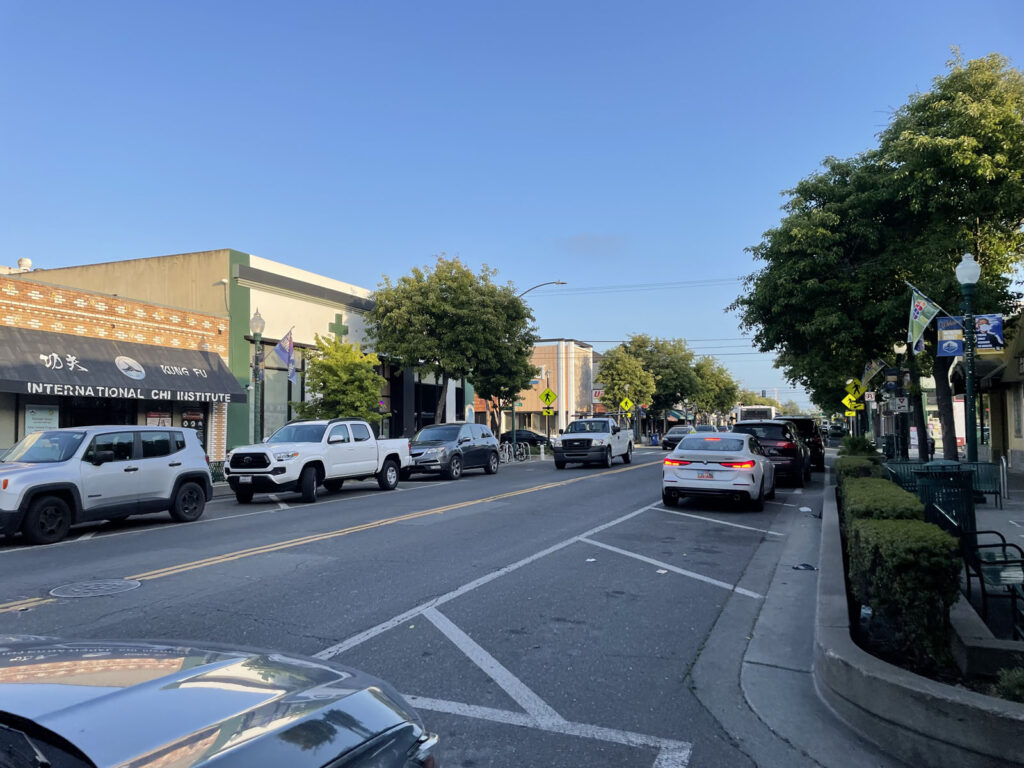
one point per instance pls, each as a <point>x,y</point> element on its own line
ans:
<point>616,430</point>
<point>102,457</point>
<point>464,440</point>
<point>561,431</point>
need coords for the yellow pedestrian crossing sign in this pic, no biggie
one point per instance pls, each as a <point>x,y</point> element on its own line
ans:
<point>855,389</point>
<point>626,404</point>
<point>849,401</point>
<point>548,412</point>
<point>548,397</point>
<point>851,413</point>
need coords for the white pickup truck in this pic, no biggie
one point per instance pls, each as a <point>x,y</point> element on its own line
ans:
<point>597,440</point>
<point>304,455</point>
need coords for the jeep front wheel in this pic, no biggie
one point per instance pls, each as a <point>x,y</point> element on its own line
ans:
<point>47,521</point>
<point>188,504</point>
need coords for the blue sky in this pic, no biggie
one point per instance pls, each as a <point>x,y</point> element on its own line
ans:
<point>635,147</point>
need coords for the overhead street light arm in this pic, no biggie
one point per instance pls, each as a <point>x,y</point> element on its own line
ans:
<point>541,285</point>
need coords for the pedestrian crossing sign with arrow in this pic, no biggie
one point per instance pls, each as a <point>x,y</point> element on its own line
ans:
<point>548,411</point>
<point>548,397</point>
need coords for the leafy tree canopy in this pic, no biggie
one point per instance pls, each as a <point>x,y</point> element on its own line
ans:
<point>717,391</point>
<point>623,374</point>
<point>343,381</point>
<point>670,361</point>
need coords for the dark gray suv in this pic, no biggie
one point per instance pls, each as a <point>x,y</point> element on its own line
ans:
<point>449,449</point>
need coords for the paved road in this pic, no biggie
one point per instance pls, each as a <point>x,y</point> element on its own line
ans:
<point>535,617</point>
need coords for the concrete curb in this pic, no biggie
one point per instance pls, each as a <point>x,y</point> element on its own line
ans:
<point>921,721</point>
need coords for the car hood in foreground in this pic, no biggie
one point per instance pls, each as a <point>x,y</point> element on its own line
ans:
<point>134,704</point>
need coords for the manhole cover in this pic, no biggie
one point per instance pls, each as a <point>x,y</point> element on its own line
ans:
<point>95,588</point>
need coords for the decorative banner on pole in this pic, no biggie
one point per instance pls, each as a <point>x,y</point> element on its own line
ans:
<point>988,336</point>
<point>951,337</point>
<point>922,310</point>
<point>870,371</point>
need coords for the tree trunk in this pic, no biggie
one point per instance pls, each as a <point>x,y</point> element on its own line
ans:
<point>920,422</point>
<point>442,399</point>
<point>944,396</point>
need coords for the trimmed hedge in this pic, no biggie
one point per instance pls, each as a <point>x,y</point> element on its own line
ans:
<point>855,445</point>
<point>908,572</point>
<point>858,466</point>
<point>1010,685</point>
<point>878,499</point>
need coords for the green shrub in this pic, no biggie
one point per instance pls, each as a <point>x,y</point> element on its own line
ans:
<point>1010,685</point>
<point>854,445</point>
<point>908,572</point>
<point>858,466</point>
<point>878,499</point>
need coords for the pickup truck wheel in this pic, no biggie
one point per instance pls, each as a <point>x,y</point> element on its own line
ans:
<point>334,485</point>
<point>454,470</point>
<point>243,495</point>
<point>307,485</point>
<point>606,462</point>
<point>559,464</point>
<point>492,464</point>
<point>47,521</point>
<point>189,503</point>
<point>627,457</point>
<point>387,478</point>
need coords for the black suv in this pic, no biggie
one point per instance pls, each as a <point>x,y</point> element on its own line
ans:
<point>782,444</point>
<point>808,428</point>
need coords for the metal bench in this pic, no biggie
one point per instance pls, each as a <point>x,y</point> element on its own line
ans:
<point>902,473</point>
<point>987,478</point>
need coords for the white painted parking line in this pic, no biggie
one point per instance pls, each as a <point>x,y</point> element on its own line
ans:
<point>721,522</point>
<point>384,626</point>
<point>674,569</point>
<point>86,536</point>
<point>780,503</point>
<point>280,504</point>
<point>539,710</point>
<point>671,753</point>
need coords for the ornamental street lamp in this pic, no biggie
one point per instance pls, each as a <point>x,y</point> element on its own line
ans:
<point>256,327</point>
<point>967,273</point>
<point>900,348</point>
<point>519,296</point>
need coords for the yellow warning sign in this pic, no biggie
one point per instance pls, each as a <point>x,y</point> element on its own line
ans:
<point>548,411</point>
<point>548,397</point>
<point>626,404</point>
<point>851,413</point>
<point>854,388</point>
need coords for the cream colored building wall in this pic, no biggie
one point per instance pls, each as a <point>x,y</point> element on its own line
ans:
<point>283,311</point>
<point>190,280</point>
<point>295,273</point>
<point>583,364</point>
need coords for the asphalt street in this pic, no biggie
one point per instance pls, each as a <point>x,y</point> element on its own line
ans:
<point>534,617</point>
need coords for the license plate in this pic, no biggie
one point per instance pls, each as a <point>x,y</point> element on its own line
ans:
<point>244,480</point>
<point>705,476</point>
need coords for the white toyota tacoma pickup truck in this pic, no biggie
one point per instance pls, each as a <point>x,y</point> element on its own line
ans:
<point>597,440</point>
<point>305,455</point>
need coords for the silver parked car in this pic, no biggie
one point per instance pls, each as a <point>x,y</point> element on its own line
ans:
<point>52,479</point>
<point>88,704</point>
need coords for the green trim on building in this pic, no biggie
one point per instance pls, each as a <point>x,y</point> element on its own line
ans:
<point>239,350</point>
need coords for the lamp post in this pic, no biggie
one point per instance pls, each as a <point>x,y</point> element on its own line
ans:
<point>967,273</point>
<point>519,296</point>
<point>900,348</point>
<point>256,327</point>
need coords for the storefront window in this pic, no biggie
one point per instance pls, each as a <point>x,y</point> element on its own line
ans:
<point>275,400</point>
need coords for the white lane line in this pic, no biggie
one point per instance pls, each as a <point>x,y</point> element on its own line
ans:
<point>86,536</point>
<point>721,522</point>
<point>671,753</point>
<point>280,504</point>
<point>538,709</point>
<point>674,569</point>
<point>780,503</point>
<point>384,626</point>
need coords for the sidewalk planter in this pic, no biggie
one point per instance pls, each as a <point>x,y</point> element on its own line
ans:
<point>858,466</point>
<point>920,721</point>
<point>872,498</point>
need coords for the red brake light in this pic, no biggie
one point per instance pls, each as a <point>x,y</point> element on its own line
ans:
<point>787,446</point>
<point>712,438</point>
<point>738,464</point>
<point>676,462</point>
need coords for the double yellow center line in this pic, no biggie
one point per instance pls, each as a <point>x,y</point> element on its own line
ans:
<point>241,554</point>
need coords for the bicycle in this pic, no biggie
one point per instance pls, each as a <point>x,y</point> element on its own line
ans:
<point>505,453</point>
<point>522,452</point>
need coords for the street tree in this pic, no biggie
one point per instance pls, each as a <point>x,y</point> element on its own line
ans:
<point>624,375</point>
<point>671,362</point>
<point>749,397</point>
<point>717,391</point>
<point>341,380</point>
<point>451,322</point>
<point>948,177</point>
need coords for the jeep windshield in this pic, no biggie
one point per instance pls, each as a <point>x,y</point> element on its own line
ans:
<point>298,433</point>
<point>588,426</point>
<point>45,447</point>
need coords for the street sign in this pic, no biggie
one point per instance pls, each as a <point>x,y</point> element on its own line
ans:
<point>626,404</point>
<point>548,397</point>
<point>869,397</point>
<point>851,413</point>
<point>901,405</point>
<point>848,401</point>
<point>854,388</point>
<point>548,411</point>
<point>519,404</point>
<point>857,407</point>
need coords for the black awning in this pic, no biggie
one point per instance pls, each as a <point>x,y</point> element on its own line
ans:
<point>42,363</point>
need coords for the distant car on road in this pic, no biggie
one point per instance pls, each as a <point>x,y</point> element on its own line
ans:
<point>783,445</point>
<point>524,436</point>
<point>706,428</point>
<point>807,426</point>
<point>671,438</point>
<point>52,479</point>
<point>86,704</point>
<point>449,449</point>
<point>730,465</point>
<point>837,430</point>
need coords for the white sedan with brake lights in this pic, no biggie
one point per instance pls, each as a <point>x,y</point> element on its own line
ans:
<point>730,465</point>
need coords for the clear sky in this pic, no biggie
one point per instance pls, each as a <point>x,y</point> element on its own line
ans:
<point>632,149</point>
